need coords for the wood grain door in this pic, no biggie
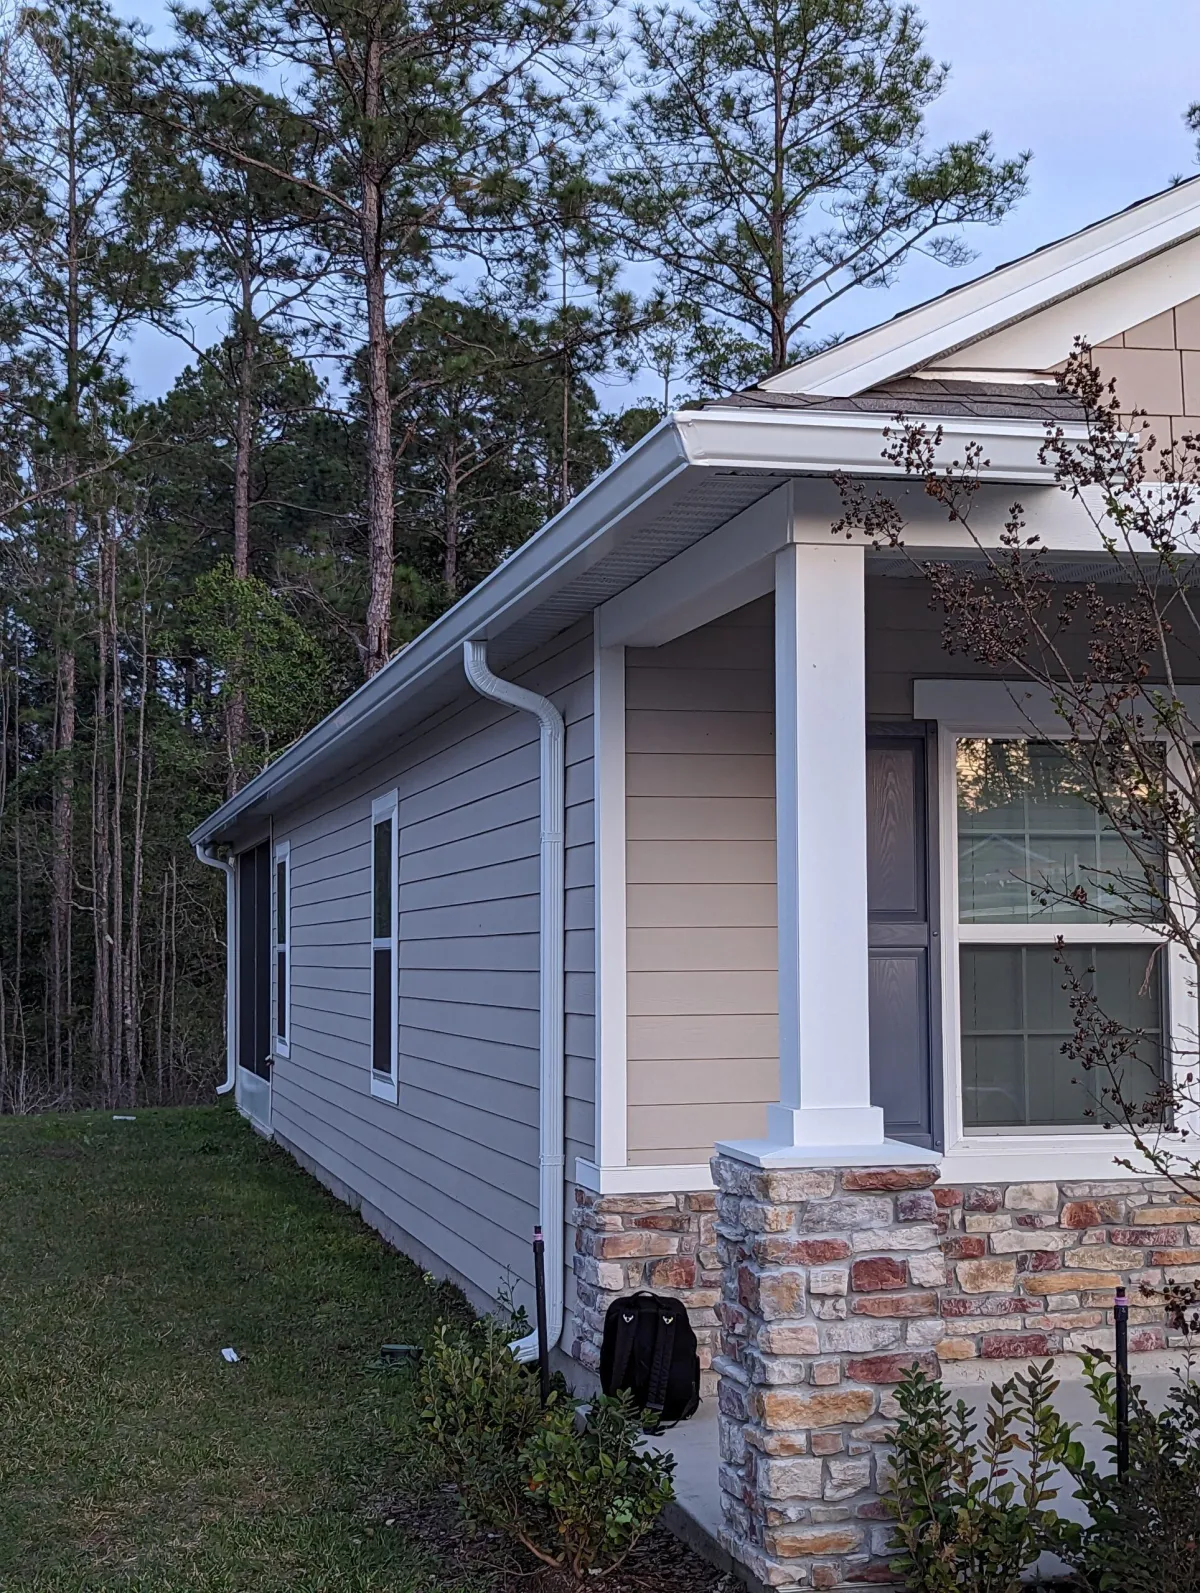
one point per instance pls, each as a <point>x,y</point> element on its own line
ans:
<point>902,913</point>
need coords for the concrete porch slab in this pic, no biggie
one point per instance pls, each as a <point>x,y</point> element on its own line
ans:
<point>695,1514</point>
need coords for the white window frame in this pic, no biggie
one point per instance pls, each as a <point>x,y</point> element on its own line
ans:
<point>281,1044</point>
<point>973,710</point>
<point>384,1086</point>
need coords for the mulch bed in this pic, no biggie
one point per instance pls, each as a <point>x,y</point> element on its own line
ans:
<point>659,1564</point>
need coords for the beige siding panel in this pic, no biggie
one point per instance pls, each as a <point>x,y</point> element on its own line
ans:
<point>733,905</point>
<point>703,1036</point>
<point>701,818</point>
<point>454,1164</point>
<point>687,775</point>
<point>1157,332</point>
<point>701,947</point>
<point>704,1080</point>
<point>684,948</point>
<point>686,1131</point>
<point>696,994</point>
<point>713,862</point>
<point>656,731</point>
<point>699,690</point>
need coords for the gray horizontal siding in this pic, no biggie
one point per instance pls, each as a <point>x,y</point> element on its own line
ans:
<point>455,1163</point>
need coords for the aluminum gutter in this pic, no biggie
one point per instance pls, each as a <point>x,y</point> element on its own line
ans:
<point>792,442</point>
<point>498,600</point>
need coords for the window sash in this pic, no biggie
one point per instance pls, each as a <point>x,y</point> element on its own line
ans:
<point>1039,932</point>
<point>384,1059</point>
<point>283,940</point>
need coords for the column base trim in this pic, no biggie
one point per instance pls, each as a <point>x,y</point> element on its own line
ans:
<point>682,1178</point>
<point>825,1125</point>
<point>769,1153</point>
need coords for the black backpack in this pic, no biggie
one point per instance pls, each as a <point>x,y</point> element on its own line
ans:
<point>649,1347</point>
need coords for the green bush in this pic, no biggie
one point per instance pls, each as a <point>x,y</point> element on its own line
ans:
<point>967,1516</point>
<point>572,1487</point>
<point>602,1492</point>
<point>1143,1535</point>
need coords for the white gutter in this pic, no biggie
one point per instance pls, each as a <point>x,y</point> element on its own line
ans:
<point>643,483</point>
<point>551,965</point>
<point>206,854</point>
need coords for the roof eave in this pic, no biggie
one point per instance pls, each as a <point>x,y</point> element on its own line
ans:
<point>807,442</point>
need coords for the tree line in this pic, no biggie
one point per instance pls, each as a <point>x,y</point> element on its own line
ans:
<point>407,245</point>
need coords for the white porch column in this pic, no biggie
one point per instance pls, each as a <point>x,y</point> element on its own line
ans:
<point>824,1111</point>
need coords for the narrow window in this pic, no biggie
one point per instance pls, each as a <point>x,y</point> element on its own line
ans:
<point>383,948</point>
<point>283,942</point>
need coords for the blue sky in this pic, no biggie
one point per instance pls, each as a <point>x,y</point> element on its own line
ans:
<point>1096,89</point>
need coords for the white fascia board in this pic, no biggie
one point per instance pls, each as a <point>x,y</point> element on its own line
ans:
<point>933,330</point>
<point>828,442</point>
<point>782,442</point>
<point>578,536</point>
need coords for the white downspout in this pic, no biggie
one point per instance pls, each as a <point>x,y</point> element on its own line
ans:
<point>551,975</point>
<point>206,854</point>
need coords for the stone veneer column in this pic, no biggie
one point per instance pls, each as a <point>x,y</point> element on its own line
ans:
<point>836,1280</point>
<point>665,1243</point>
<point>830,1293</point>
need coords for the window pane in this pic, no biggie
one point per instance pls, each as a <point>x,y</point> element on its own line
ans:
<point>383,880</point>
<point>1016,1016</point>
<point>382,1049</point>
<point>281,994</point>
<point>281,913</point>
<point>1025,828</point>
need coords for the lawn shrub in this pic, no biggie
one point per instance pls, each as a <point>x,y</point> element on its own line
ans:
<point>571,1485</point>
<point>1143,1535</point>
<point>972,1514</point>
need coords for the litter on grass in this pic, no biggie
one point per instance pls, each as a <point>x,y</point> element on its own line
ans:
<point>231,1355</point>
<point>119,1117</point>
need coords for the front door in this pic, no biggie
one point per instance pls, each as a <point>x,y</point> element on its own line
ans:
<point>902,913</point>
<point>254,983</point>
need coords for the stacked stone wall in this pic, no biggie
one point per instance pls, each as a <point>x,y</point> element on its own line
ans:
<point>665,1243</point>
<point>836,1281</point>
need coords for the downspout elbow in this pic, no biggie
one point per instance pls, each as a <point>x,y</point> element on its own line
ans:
<point>551,975</point>
<point>206,854</point>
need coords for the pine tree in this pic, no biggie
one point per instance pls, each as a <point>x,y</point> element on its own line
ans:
<point>774,157</point>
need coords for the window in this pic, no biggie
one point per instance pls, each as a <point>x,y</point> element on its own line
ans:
<point>1026,841</point>
<point>283,940</point>
<point>383,947</point>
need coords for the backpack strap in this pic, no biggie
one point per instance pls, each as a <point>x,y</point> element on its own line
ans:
<point>660,1366</point>
<point>623,1343</point>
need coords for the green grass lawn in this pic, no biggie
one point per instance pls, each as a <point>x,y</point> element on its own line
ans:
<point>131,1455</point>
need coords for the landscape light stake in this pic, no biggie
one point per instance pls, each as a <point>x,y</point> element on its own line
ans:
<point>1121,1322</point>
<point>539,1284</point>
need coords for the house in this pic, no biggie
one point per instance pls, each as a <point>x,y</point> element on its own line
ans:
<point>644,884</point>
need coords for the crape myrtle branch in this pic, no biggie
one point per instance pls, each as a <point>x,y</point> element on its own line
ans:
<point>1108,653</point>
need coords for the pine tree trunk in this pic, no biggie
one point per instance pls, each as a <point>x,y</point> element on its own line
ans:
<point>237,728</point>
<point>380,462</point>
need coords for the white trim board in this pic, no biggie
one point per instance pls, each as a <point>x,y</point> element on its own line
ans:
<point>608,765</point>
<point>681,1179</point>
<point>386,809</point>
<point>281,1045</point>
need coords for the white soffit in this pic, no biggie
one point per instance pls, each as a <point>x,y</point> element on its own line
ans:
<point>958,321</point>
